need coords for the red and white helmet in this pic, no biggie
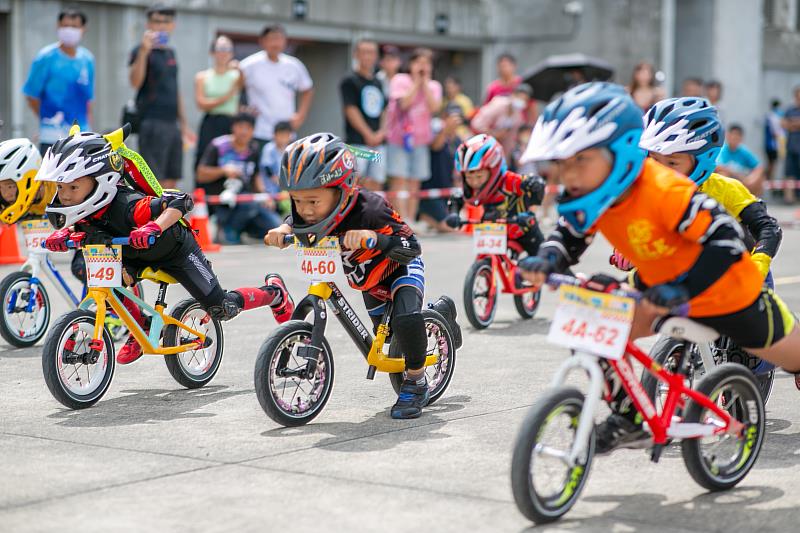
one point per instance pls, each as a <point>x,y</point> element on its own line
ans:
<point>478,153</point>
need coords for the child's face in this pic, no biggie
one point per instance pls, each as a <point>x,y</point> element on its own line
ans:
<point>282,138</point>
<point>583,172</point>
<point>734,139</point>
<point>683,163</point>
<point>476,178</point>
<point>8,191</point>
<point>315,204</point>
<point>74,193</point>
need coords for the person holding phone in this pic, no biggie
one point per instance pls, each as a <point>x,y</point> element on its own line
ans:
<point>153,72</point>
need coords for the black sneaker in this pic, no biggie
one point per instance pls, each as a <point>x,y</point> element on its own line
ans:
<point>619,432</point>
<point>412,398</point>
<point>446,307</point>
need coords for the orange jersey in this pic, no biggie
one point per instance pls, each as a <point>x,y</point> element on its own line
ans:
<point>660,227</point>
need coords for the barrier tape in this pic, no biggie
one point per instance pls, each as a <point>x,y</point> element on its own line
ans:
<point>429,194</point>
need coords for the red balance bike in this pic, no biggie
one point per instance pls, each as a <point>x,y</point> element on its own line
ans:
<point>720,421</point>
<point>496,259</point>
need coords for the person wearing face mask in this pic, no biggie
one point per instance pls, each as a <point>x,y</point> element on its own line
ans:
<point>153,72</point>
<point>60,84</point>
<point>503,115</point>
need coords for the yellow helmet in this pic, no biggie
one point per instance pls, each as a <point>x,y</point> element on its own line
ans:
<point>20,161</point>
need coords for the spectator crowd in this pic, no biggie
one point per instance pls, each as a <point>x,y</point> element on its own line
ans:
<point>392,105</point>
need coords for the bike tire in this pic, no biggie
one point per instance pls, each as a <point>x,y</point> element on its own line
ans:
<point>444,368</point>
<point>482,267</point>
<point>714,478</point>
<point>271,350</point>
<point>527,310</point>
<point>181,369</point>
<point>530,503</point>
<point>661,352</point>
<point>51,353</point>
<point>6,330</point>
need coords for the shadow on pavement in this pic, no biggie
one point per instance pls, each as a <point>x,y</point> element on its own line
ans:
<point>9,352</point>
<point>146,406</point>
<point>504,328</point>
<point>733,510</point>
<point>361,436</point>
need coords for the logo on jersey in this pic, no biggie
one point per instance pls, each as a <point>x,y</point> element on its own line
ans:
<point>640,237</point>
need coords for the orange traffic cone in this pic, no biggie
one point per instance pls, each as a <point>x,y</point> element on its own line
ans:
<point>9,251</point>
<point>198,218</point>
<point>474,212</point>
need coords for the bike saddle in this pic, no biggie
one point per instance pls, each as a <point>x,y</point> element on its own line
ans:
<point>684,328</point>
<point>156,276</point>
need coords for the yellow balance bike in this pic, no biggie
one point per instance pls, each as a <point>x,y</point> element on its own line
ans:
<point>294,368</point>
<point>78,357</point>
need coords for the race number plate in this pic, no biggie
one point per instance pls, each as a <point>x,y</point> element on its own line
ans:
<point>320,263</point>
<point>35,232</point>
<point>103,265</point>
<point>592,322</point>
<point>489,238</point>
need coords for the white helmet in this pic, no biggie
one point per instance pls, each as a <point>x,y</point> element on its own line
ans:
<point>81,154</point>
<point>19,162</point>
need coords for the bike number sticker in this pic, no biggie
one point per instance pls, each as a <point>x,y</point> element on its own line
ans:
<point>320,263</point>
<point>489,238</point>
<point>35,232</point>
<point>103,265</point>
<point>592,322</point>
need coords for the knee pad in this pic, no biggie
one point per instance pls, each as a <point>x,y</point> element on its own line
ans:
<point>227,309</point>
<point>409,331</point>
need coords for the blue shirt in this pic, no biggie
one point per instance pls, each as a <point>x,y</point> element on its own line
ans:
<point>64,86</point>
<point>741,160</point>
<point>270,166</point>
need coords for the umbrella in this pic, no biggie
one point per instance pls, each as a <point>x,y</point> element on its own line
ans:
<point>558,73</point>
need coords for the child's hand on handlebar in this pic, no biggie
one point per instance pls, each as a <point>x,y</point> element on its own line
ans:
<point>535,269</point>
<point>275,236</point>
<point>357,238</point>
<point>57,241</point>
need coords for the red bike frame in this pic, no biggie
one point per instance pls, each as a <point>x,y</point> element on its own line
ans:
<point>677,389</point>
<point>504,268</point>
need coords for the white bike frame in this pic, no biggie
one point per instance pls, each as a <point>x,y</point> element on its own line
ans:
<point>38,262</point>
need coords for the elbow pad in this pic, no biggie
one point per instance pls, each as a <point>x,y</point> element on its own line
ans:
<point>763,227</point>
<point>172,199</point>
<point>400,249</point>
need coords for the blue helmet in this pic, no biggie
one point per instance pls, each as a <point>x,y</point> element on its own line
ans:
<point>592,115</point>
<point>686,125</point>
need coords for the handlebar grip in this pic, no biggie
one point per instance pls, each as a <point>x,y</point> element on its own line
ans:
<point>369,244</point>
<point>288,239</point>
<point>124,241</point>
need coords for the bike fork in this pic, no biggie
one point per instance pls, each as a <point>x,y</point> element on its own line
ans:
<point>590,364</point>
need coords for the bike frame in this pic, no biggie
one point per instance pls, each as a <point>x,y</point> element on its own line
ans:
<point>504,268</point>
<point>371,348</point>
<point>38,263</point>
<point>663,426</point>
<point>105,297</point>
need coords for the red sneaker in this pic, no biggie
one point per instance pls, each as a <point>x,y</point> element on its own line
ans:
<point>282,312</point>
<point>130,352</point>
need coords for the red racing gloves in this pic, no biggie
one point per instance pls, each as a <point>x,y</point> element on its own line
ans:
<point>57,242</point>
<point>140,237</point>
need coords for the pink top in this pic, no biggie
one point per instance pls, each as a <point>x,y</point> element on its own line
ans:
<point>417,118</point>
<point>498,88</point>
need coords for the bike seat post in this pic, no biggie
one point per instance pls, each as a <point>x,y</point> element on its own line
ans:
<point>371,372</point>
<point>161,299</point>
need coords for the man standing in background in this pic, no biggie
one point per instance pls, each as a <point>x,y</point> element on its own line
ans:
<point>364,104</point>
<point>153,71</point>
<point>60,84</point>
<point>273,80</point>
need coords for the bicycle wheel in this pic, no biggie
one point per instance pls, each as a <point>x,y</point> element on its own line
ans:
<point>441,344</point>
<point>194,368</point>
<point>721,461</point>
<point>286,390</point>
<point>74,377</point>
<point>19,326</point>
<point>527,303</point>
<point>545,487</point>
<point>480,301</point>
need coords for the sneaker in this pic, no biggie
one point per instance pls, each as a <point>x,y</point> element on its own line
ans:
<point>130,352</point>
<point>797,380</point>
<point>412,398</point>
<point>446,307</point>
<point>619,432</point>
<point>282,312</point>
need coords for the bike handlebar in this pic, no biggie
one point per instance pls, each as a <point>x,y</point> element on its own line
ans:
<point>368,244</point>
<point>555,280</point>
<point>516,219</point>
<point>122,241</point>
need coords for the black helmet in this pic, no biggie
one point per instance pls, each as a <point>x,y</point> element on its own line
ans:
<point>319,160</point>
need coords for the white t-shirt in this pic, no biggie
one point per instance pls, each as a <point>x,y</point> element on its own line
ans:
<point>272,87</point>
